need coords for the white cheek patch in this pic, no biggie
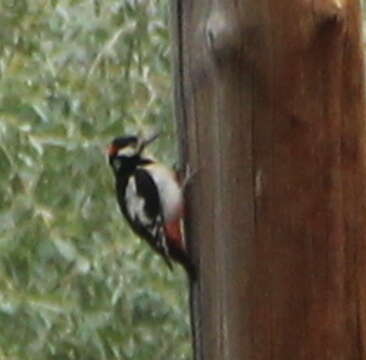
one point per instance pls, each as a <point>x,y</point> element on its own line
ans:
<point>127,151</point>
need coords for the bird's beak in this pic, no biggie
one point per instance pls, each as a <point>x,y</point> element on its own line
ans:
<point>149,140</point>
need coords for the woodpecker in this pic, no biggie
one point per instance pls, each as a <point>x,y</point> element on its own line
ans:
<point>150,197</point>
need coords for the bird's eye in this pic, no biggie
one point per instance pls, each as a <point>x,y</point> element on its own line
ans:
<point>128,151</point>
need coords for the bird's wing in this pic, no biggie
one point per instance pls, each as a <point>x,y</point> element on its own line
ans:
<point>144,211</point>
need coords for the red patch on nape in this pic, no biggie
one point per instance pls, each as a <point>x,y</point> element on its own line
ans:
<point>112,150</point>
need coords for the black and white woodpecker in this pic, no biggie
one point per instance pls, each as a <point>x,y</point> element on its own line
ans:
<point>150,197</point>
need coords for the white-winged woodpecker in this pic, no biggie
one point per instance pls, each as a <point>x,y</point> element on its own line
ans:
<point>150,198</point>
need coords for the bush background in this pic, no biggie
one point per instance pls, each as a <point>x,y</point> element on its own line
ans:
<point>74,282</point>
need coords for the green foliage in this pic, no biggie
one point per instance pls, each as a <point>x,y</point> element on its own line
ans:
<point>74,282</point>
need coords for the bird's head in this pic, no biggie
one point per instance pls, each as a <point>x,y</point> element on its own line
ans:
<point>125,151</point>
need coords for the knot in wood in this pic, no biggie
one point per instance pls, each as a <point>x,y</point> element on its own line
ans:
<point>328,12</point>
<point>222,36</point>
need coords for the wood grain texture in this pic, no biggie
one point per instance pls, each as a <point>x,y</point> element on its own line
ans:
<point>271,115</point>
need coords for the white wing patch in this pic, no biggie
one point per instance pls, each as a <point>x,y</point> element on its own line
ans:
<point>170,193</point>
<point>136,204</point>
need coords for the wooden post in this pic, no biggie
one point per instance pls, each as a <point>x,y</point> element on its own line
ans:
<point>271,115</point>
